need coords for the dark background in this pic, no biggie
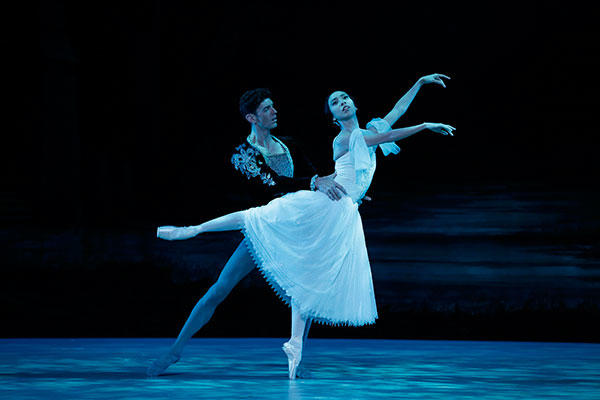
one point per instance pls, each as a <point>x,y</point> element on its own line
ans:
<point>122,116</point>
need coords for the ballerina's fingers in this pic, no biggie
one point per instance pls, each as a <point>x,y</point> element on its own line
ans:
<point>438,79</point>
<point>445,129</point>
<point>449,129</point>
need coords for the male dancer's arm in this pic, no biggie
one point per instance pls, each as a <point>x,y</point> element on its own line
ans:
<point>306,174</point>
<point>266,184</point>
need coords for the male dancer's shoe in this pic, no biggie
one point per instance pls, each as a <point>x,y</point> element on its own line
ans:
<point>163,362</point>
<point>294,356</point>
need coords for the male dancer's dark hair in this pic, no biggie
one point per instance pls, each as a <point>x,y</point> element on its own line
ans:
<point>251,99</point>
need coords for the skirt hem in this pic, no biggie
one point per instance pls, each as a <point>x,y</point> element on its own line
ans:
<point>281,292</point>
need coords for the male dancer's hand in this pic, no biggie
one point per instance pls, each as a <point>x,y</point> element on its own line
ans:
<point>330,187</point>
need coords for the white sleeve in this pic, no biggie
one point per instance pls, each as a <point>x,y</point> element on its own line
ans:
<point>381,126</point>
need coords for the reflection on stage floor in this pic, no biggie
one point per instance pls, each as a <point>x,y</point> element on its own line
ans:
<point>339,368</point>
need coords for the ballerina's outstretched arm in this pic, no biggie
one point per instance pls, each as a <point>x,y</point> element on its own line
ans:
<point>373,139</point>
<point>229,222</point>
<point>404,102</point>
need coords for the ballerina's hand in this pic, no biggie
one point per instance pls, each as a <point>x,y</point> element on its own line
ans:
<point>440,128</point>
<point>174,233</point>
<point>434,78</point>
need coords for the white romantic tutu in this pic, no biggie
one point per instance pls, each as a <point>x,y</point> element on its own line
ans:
<point>312,249</point>
<point>312,252</point>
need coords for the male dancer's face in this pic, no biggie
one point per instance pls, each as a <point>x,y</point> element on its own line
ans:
<point>266,115</point>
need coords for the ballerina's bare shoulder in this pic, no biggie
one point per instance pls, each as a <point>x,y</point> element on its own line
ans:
<point>341,145</point>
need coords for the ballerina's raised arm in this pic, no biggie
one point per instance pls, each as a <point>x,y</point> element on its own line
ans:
<point>402,105</point>
<point>343,110</point>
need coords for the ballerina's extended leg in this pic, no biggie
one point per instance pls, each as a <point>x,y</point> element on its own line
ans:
<point>229,222</point>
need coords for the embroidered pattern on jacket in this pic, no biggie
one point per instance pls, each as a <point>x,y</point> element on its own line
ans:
<point>245,162</point>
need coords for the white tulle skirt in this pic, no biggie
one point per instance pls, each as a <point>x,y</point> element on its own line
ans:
<point>312,252</point>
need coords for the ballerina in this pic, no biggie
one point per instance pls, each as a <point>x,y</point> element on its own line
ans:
<point>310,249</point>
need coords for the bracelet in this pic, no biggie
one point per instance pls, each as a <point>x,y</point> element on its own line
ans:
<point>313,183</point>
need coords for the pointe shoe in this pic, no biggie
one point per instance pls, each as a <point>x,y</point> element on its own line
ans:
<point>160,365</point>
<point>176,233</point>
<point>294,356</point>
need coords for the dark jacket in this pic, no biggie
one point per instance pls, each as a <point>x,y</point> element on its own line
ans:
<point>259,184</point>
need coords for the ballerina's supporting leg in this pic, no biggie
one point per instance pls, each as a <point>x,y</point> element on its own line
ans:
<point>301,371</point>
<point>293,348</point>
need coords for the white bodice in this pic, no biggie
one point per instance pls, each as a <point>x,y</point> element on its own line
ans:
<point>356,182</point>
<point>355,169</point>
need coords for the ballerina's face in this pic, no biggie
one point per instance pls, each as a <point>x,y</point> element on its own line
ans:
<point>341,105</point>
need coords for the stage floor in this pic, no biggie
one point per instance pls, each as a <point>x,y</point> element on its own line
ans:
<point>256,368</point>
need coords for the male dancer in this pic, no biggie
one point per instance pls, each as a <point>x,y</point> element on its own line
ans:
<point>269,170</point>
